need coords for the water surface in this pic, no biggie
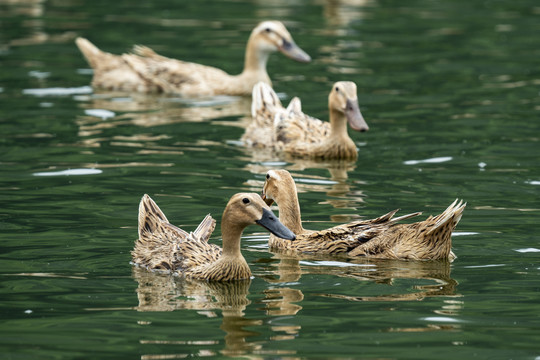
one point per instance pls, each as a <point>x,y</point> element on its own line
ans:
<point>450,91</point>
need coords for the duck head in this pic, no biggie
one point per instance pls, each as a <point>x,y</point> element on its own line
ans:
<point>246,209</point>
<point>343,99</point>
<point>270,36</point>
<point>277,182</point>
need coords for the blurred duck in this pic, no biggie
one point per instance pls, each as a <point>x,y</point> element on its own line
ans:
<point>290,131</point>
<point>163,246</point>
<point>378,238</point>
<point>146,71</point>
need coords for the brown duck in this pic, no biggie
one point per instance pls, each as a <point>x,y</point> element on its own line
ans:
<point>146,71</point>
<point>163,246</point>
<point>378,238</point>
<point>290,131</point>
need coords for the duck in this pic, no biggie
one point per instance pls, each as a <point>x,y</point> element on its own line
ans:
<point>163,247</point>
<point>147,72</point>
<point>381,238</point>
<point>290,131</point>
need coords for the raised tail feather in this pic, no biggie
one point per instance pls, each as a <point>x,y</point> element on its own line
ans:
<point>93,55</point>
<point>404,217</point>
<point>452,214</point>
<point>264,103</point>
<point>205,228</point>
<point>151,217</point>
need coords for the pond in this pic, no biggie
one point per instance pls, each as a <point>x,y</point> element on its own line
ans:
<point>450,91</point>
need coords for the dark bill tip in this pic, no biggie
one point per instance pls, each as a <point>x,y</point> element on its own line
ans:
<point>291,50</point>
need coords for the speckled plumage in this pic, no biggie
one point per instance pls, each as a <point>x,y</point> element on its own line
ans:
<point>162,246</point>
<point>382,237</point>
<point>146,71</point>
<point>290,131</point>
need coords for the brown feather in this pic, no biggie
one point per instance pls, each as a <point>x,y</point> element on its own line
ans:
<point>290,131</point>
<point>162,246</point>
<point>146,71</point>
<point>382,237</point>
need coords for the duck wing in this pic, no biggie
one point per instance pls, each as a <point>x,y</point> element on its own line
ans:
<point>174,76</point>
<point>163,246</point>
<point>292,126</point>
<point>428,239</point>
<point>276,127</point>
<point>343,238</point>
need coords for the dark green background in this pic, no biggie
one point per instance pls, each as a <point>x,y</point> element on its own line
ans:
<point>455,80</point>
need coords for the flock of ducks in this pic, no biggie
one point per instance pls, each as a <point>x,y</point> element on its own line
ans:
<point>162,246</point>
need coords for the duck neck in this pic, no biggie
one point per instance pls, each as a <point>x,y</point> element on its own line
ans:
<point>255,60</point>
<point>289,212</point>
<point>231,233</point>
<point>231,241</point>
<point>338,124</point>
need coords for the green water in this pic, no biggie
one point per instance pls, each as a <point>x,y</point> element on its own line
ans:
<point>450,91</point>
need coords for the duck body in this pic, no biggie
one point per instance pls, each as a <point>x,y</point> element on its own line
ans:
<point>290,131</point>
<point>382,237</point>
<point>148,72</point>
<point>162,246</point>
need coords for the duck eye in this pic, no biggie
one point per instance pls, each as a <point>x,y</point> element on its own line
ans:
<point>245,200</point>
<point>337,89</point>
<point>267,176</point>
<point>268,30</point>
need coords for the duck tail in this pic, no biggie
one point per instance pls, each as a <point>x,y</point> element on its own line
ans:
<point>205,228</point>
<point>144,51</point>
<point>92,54</point>
<point>451,216</point>
<point>264,103</point>
<point>384,218</point>
<point>295,106</point>
<point>404,217</point>
<point>151,217</point>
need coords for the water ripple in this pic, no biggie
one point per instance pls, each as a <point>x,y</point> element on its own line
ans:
<point>58,91</point>
<point>69,172</point>
<point>435,160</point>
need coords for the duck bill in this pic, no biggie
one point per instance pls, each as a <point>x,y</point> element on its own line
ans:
<point>270,222</point>
<point>268,201</point>
<point>354,116</point>
<point>291,50</point>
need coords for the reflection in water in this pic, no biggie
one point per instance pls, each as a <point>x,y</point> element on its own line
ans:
<point>389,271</point>
<point>150,111</point>
<point>343,12</point>
<point>290,268</point>
<point>157,292</point>
<point>33,9</point>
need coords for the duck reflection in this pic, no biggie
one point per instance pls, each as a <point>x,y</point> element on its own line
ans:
<point>33,11</point>
<point>290,267</point>
<point>159,292</point>
<point>341,13</point>
<point>147,111</point>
